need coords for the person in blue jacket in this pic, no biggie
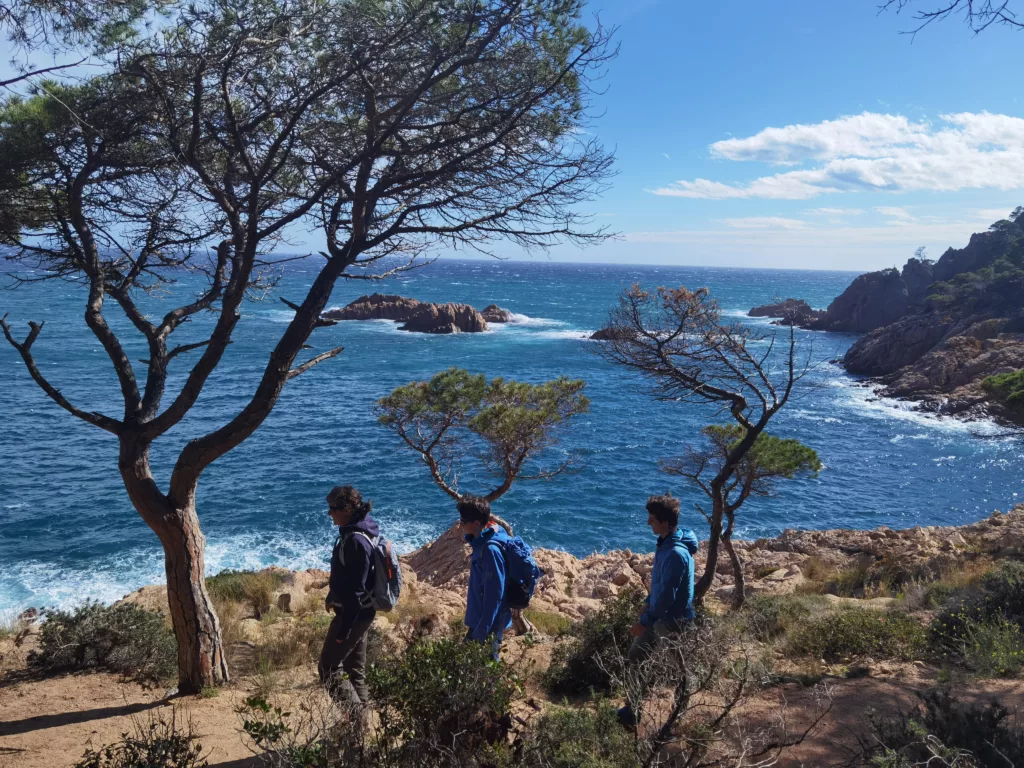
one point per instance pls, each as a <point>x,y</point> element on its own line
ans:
<point>487,614</point>
<point>343,658</point>
<point>669,606</point>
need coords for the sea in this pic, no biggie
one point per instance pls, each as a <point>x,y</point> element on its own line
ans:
<point>68,531</point>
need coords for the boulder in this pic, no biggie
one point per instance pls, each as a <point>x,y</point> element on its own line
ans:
<point>416,316</point>
<point>612,334</point>
<point>378,306</point>
<point>492,313</point>
<point>444,318</point>
<point>788,312</point>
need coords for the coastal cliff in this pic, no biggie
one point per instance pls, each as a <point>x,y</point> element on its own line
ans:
<point>947,334</point>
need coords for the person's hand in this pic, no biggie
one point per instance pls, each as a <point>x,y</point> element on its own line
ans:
<point>327,605</point>
<point>637,629</point>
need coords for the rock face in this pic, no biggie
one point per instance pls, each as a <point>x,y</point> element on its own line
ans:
<point>873,300</point>
<point>492,313</point>
<point>788,312</point>
<point>416,316</point>
<point>444,318</point>
<point>936,331</point>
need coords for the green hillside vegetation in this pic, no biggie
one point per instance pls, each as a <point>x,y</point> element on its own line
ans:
<point>999,285</point>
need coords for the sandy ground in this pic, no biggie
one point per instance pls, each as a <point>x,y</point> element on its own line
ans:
<point>50,723</point>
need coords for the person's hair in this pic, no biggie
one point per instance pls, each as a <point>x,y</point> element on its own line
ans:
<point>665,508</point>
<point>474,508</point>
<point>342,496</point>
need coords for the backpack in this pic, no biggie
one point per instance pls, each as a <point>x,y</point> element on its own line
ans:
<point>521,572</point>
<point>387,573</point>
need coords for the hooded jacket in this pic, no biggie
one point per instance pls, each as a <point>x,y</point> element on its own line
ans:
<point>351,585</point>
<point>671,595</point>
<point>486,612</point>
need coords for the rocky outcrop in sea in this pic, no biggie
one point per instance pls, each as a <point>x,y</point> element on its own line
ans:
<point>416,316</point>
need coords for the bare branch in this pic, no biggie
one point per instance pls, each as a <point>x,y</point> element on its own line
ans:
<point>299,370</point>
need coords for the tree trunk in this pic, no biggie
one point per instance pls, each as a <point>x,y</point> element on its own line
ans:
<point>201,659</point>
<point>704,584</point>
<point>739,591</point>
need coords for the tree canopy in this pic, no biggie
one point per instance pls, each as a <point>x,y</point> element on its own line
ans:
<point>505,426</point>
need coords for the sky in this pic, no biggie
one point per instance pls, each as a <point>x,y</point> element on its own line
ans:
<point>803,134</point>
<point>798,134</point>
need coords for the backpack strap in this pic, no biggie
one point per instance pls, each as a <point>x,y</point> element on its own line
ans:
<point>344,540</point>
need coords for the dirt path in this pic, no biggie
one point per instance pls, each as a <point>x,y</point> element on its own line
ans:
<point>50,723</point>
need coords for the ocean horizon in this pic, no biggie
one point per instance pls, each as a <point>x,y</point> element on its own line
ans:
<point>68,531</point>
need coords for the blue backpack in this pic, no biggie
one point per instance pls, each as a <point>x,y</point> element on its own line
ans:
<point>521,572</point>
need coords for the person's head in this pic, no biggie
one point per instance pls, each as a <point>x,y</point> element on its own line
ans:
<point>663,514</point>
<point>474,514</point>
<point>346,505</point>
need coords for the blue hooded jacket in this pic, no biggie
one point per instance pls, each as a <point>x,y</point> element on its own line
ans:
<point>671,595</point>
<point>486,612</point>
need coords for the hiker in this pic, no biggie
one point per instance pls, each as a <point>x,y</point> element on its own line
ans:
<point>488,614</point>
<point>350,596</point>
<point>669,606</point>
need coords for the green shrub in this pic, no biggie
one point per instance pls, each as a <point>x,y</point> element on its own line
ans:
<point>1008,387</point>
<point>253,588</point>
<point>589,645</point>
<point>768,617</point>
<point>581,738</point>
<point>442,696</point>
<point>548,622</point>
<point>123,638</point>
<point>942,731</point>
<point>989,648</point>
<point>155,744</point>
<point>859,632</point>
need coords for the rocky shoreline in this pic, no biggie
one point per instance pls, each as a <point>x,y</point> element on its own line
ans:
<point>437,574</point>
<point>935,333</point>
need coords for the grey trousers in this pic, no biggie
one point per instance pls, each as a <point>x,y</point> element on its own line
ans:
<point>342,664</point>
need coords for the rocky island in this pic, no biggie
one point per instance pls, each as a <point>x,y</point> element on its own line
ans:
<point>947,334</point>
<point>420,316</point>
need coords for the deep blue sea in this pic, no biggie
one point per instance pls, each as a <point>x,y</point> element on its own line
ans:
<point>67,530</point>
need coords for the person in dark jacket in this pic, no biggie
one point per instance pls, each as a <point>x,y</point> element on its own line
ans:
<point>343,658</point>
<point>669,606</point>
<point>487,614</point>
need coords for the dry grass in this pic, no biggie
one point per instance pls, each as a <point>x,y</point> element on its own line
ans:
<point>254,589</point>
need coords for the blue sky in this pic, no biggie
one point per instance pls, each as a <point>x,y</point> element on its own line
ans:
<point>799,134</point>
<point>883,142</point>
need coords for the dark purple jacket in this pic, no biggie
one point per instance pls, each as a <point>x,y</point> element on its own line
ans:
<point>351,584</point>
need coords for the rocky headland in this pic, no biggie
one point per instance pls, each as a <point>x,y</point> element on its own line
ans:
<point>948,335</point>
<point>420,316</point>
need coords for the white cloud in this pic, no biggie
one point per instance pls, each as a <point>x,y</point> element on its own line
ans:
<point>666,155</point>
<point>893,212</point>
<point>765,222</point>
<point>873,153</point>
<point>835,211</point>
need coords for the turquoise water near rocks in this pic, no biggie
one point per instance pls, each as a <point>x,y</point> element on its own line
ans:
<point>67,530</point>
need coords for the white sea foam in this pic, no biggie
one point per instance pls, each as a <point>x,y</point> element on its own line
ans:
<point>518,319</point>
<point>867,403</point>
<point>107,579</point>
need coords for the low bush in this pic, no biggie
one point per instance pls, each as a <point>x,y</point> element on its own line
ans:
<point>253,588</point>
<point>288,644</point>
<point>123,638</point>
<point>548,622</point>
<point>584,652</point>
<point>438,703</point>
<point>1008,387</point>
<point>580,738</point>
<point>157,743</point>
<point>943,731</point>
<point>443,696</point>
<point>857,632</point>
<point>768,617</point>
